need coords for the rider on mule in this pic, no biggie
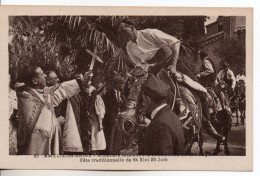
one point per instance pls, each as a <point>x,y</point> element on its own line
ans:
<point>226,75</point>
<point>154,47</point>
<point>207,73</point>
<point>241,76</point>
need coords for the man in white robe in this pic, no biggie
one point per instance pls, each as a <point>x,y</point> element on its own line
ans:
<point>38,128</point>
<point>71,141</point>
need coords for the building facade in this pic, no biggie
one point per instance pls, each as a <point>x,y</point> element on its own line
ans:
<point>225,28</point>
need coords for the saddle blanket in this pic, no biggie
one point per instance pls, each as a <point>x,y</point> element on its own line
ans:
<point>187,80</point>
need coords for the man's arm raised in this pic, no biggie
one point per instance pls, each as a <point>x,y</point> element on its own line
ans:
<point>70,88</point>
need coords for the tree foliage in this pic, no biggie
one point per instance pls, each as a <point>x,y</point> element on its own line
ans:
<point>60,42</point>
<point>233,52</point>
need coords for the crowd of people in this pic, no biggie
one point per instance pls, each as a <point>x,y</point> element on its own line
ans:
<point>46,116</point>
<point>49,117</point>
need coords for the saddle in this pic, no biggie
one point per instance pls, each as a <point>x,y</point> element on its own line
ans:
<point>190,117</point>
<point>190,101</point>
<point>217,103</point>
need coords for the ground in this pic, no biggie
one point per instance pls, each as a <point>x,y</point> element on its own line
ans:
<point>236,143</point>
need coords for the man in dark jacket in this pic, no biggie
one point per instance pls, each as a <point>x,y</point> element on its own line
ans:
<point>164,135</point>
<point>114,102</point>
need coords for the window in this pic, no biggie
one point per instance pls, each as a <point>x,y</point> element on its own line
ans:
<point>220,27</point>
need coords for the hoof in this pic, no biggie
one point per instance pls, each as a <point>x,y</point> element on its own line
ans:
<point>227,152</point>
<point>215,152</point>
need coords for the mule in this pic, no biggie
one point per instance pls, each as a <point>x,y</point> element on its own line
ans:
<point>238,102</point>
<point>221,117</point>
<point>132,118</point>
<point>234,105</point>
<point>242,101</point>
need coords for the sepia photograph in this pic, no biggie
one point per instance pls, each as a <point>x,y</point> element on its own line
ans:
<point>173,86</point>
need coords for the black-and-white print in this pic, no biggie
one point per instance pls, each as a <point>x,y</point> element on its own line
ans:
<point>127,85</point>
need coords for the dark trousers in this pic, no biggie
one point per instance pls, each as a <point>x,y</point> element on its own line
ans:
<point>113,137</point>
<point>163,58</point>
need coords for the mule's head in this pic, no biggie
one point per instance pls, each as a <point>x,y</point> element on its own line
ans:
<point>134,110</point>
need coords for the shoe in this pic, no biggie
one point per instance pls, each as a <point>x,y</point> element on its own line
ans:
<point>212,132</point>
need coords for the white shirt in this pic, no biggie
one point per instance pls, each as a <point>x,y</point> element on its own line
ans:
<point>100,107</point>
<point>230,75</point>
<point>148,42</point>
<point>240,77</point>
<point>156,110</point>
<point>208,67</point>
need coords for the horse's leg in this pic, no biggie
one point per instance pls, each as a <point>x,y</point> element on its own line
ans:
<point>218,128</point>
<point>243,117</point>
<point>217,149</point>
<point>237,116</point>
<point>227,152</point>
<point>201,143</point>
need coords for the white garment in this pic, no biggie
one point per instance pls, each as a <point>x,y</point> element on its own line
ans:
<point>156,110</point>
<point>71,140</point>
<point>230,75</point>
<point>187,80</point>
<point>208,68</point>
<point>12,101</point>
<point>12,130</point>
<point>98,141</point>
<point>148,42</point>
<point>240,77</point>
<point>47,124</point>
<point>100,107</point>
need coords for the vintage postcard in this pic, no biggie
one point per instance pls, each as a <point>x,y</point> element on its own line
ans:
<point>126,88</point>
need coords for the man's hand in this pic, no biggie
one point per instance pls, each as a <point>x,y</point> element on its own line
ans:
<point>198,75</point>
<point>61,120</point>
<point>89,89</point>
<point>86,82</point>
<point>179,76</point>
<point>172,69</point>
<point>145,122</point>
<point>87,77</point>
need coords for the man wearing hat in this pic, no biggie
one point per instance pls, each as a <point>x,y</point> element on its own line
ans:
<point>114,102</point>
<point>164,135</point>
<point>157,49</point>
